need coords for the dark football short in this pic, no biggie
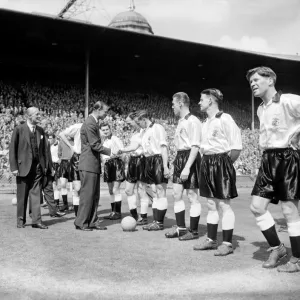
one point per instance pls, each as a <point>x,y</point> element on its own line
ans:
<point>65,169</point>
<point>74,162</point>
<point>114,170</point>
<point>154,170</point>
<point>278,177</point>
<point>217,177</point>
<point>135,168</point>
<point>193,181</point>
<point>56,171</point>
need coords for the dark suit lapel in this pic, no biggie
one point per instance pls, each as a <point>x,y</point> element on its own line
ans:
<point>27,133</point>
<point>38,137</point>
<point>95,123</point>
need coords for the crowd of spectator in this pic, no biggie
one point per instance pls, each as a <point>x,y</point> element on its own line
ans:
<point>63,105</point>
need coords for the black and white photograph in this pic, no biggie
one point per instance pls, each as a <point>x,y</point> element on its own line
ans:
<point>149,149</point>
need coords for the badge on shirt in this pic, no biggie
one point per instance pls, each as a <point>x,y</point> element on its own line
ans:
<point>215,133</point>
<point>275,122</point>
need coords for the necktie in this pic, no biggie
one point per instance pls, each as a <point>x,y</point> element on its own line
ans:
<point>33,129</point>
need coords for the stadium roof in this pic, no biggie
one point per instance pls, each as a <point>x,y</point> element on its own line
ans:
<point>44,42</point>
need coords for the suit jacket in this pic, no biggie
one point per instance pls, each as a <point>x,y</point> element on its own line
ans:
<point>91,147</point>
<point>49,163</point>
<point>20,151</point>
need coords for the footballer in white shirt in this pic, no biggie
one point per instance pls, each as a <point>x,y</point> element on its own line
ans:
<point>278,178</point>
<point>156,170</point>
<point>221,145</point>
<point>186,169</point>
<point>114,171</point>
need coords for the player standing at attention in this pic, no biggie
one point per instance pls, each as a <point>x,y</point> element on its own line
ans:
<point>221,145</point>
<point>186,169</point>
<point>73,133</point>
<point>278,177</point>
<point>156,170</point>
<point>114,171</point>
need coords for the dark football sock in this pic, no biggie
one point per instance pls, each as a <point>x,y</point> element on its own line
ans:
<point>76,209</point>
<point>180,219</point>
<point>212,230</point>
<point>194,223</point>
<point>227,235</point>
<point>134,213</point>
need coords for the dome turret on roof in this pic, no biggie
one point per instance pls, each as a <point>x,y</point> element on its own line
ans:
<point>131,20</point>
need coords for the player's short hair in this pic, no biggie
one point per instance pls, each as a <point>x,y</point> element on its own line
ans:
<point>262,71</point>
<point>140,114</point>
<point>183,97</point>
<point>218,96</point>
<point>99,105</point>
<point>104,124</point>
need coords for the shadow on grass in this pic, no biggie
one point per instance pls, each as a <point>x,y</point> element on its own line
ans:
<point>57,221</point>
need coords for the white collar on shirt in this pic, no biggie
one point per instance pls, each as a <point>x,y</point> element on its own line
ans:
<point>31,126</point>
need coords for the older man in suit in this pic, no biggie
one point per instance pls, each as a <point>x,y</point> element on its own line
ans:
<point>27,157</point>
<point>90,169</point>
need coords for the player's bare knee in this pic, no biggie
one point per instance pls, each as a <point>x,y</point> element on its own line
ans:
<point>257,209</point>
<point>160,191</point>
<point>63,183</point>
<point>290,211</point>
<point>193,196</point>
<point>211,204</point>
<point>225,205</point>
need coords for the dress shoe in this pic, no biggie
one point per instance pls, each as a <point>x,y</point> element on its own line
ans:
<point>83,229</point>
<point>20,225</point>
<point>108,216</point>
<point>116,216</point>
<point>98,227</point>
<point>58,214</point>
<point>39,225</point>
<point>64,208</point>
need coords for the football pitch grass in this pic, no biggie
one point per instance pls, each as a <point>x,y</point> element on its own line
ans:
<point>64,263</point>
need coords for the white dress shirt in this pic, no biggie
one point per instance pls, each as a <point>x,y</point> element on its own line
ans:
<point>54,153</point>
<point>31,127</point>
<point>279,120</point>
<point>220,134</point>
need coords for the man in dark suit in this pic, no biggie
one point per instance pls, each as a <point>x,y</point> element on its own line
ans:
<point>90,169</point>
<point>27,158</point>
